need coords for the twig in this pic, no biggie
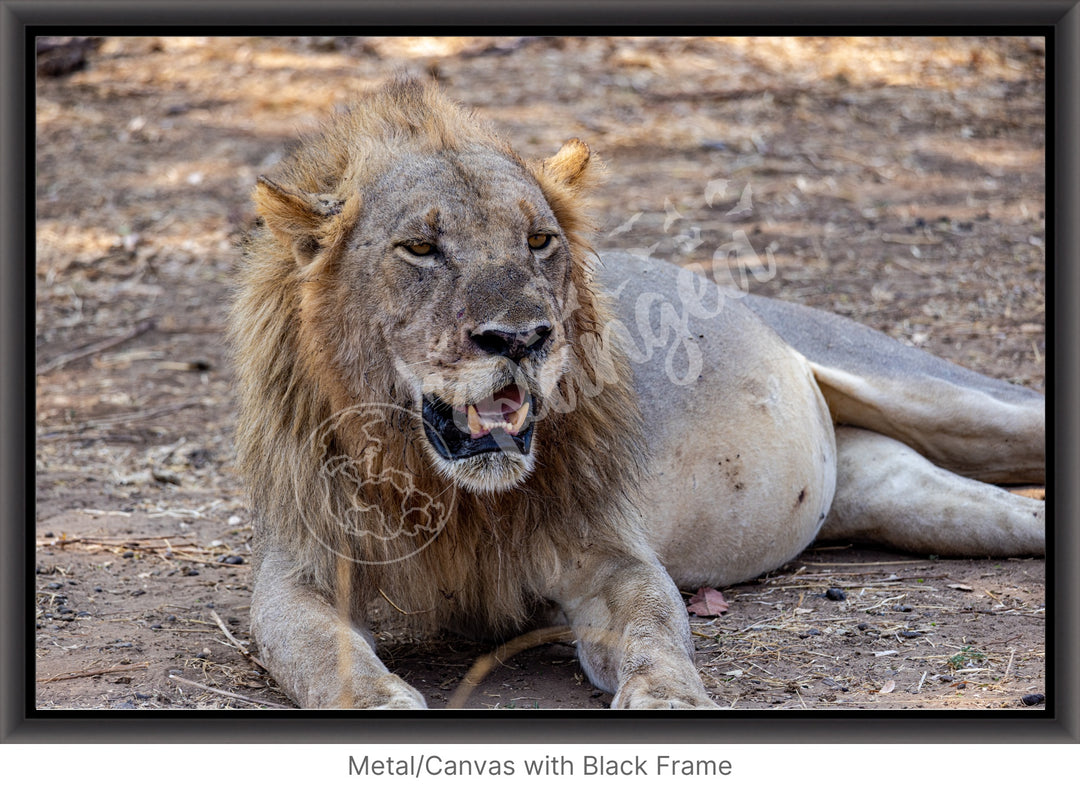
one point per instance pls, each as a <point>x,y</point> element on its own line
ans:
<point>239,646</point>
<point>93,541</point>
<point>484,665</point>
<point>881,562</point>
<point>93,349</point>
<point>102,672</point>
<point>120,418</point>
<point>227,694</point>
<point>1008,667</point>
<point>403,612</point>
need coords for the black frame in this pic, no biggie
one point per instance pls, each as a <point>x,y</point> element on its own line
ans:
<point>20,21</point>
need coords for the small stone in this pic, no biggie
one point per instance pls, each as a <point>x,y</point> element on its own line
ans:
<point>127,555</point>
<point>54,586</point>
<point>910,634</point>
<point>1032,699</point>
<point>835,594</point>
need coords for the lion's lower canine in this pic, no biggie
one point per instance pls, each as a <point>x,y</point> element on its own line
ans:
<point>450,405</point>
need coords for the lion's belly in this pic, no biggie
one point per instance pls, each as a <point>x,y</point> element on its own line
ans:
<point>742,448</point>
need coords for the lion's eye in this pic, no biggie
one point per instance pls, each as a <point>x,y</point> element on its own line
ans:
<point>420,248</point>
<point>539,240</point>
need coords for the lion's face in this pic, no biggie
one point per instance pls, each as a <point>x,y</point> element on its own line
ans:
<point>461,266</point>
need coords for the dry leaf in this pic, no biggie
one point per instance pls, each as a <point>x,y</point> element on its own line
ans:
<point>707,603</point>
<point>888,687</point>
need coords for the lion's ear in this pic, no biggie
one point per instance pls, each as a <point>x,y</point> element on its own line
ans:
<point>570,165</point>
<point>299,219</point>
<point>565,179</point>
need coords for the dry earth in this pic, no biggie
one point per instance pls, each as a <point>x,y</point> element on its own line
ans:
<point>898,182</point>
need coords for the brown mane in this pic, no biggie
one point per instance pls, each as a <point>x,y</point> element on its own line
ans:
<point>497,553</point>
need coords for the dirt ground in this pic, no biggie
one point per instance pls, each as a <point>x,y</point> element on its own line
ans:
<point>897,182</point>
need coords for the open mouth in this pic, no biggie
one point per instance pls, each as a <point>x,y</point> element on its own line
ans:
<point>500,422</point>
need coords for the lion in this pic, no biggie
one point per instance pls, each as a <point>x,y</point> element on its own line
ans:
<point>445,408</point>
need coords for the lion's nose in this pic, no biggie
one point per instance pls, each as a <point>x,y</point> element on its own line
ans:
<point>511,344</point>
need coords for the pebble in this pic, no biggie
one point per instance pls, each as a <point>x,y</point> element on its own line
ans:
<point>1033,698</point>
<point>127,555</point>
<point>911,634</point>
<point>54,586</point>
<point>835,594</point>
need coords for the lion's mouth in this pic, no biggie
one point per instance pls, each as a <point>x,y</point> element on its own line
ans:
<point>500,422</point>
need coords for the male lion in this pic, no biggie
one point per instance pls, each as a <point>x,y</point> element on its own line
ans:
<point>444,409</point>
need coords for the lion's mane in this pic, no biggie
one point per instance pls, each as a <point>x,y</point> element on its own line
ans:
<point>495,555</point>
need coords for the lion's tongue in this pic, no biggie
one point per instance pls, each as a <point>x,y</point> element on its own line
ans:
<point>505,409</point>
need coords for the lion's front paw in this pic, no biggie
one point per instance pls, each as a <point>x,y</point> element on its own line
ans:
<point>386,692</point>
<point>657,693</point>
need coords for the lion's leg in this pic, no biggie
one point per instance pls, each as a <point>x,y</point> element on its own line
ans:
<point>975,426</point>
<point>633,636</point>
<point>887,492</point>
<point>319,658</point>
<point>979,435</point>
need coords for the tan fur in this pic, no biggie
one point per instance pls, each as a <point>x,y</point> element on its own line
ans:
<point>401,247</point>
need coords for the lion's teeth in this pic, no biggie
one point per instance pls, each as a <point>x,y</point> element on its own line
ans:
<point>517,419</point>
<point>476,427</point>
<point>480,425</point>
